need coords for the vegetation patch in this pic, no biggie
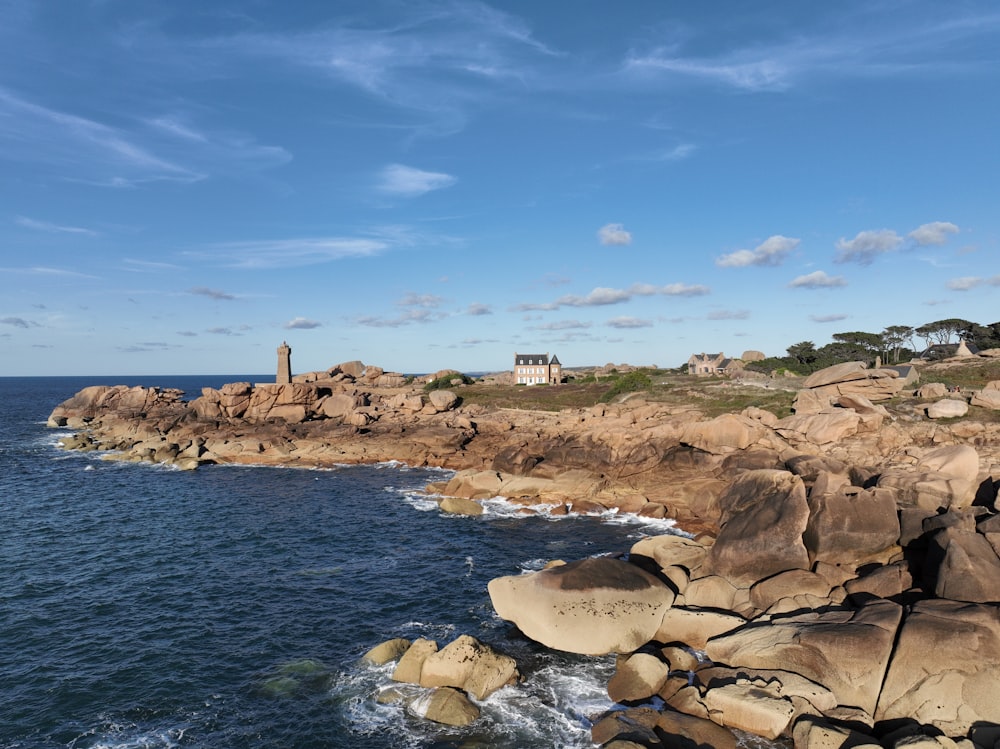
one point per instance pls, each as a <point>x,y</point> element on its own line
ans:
<point>448,381</point>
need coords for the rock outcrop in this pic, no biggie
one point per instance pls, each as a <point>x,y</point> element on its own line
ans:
<point>593,607</point>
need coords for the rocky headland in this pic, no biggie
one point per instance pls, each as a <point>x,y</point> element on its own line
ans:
<point>838,584</point>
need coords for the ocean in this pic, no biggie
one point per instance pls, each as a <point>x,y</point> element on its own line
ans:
<point>146,607</point>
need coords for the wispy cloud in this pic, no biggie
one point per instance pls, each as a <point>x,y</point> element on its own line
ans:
<point>562,325</point>
<point>40,270</point>
<point>80,147</point>
<point>614,234</point>
<point>129,154</point>
<point>215,294</point>
<point>426,301</point>
<point>729,314</point>
<point>968,283</point>
<point>17,322</point>
<point>435,61</point>
<point>817,280</point>
<point>827,318</point>
<point>409,182</point>
<point>148,266</point>
<point>602,296</point>
<point>476,309</point>
<point>874,43</point>
<point>301,323</point>
<point>147,347</point>
<point>222,331</point>
<point>935,233</point>
<point>30,223</point>
<point>281,253</point>
<point>626,323</point>
<point>866,246</point>
<point>408,317</point>
<point>771,252</point>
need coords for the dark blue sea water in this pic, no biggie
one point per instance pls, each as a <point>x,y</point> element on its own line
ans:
<point>142,606</point>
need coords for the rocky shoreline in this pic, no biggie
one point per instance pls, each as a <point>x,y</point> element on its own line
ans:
<point>842,581</point>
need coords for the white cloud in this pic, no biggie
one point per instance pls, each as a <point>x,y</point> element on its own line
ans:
<point>476,309</point>
<point>680,289</point>
<point>770,252</point>
<point>629,322</point>
<point>866,246</point>
<point>602,296</point>
<point>397,179</point>
<point>614,234</point>
<point>827,318</point>
<point>817,280</point>
<point>596,298</point>
<point>935,233</point>
<point>301,323</point>
<point>971,282</point>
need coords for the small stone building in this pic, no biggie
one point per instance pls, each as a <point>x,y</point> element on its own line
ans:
<point>537,369</point>
<point>713,365</point>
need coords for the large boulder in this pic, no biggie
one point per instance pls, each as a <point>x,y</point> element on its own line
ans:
<point>845,651</point>
<point>846,380</point>
<point>638,677</point>
<point>843,372</point>
<point>849,527</point>
<point>820,428</point>
<point>723,434</point>
<point>443,400</point>
<point>748,707</point>
<point>470,665</point>
<point>593,606</point>
<point>943,478</point>
<point>964,566</point>
<point>447,706</point>
<point>695,627</point>
<point>764,514</point>
<point>947,408</point>
<point>988,397</point>
<point>946,669</point>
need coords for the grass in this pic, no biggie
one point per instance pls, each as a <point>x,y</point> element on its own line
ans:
<point>715,396</point>
<point>710,396</point>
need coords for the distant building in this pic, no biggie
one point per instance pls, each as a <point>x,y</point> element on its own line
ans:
<point>908,374</point>
<point>284,364</point>
<point>537,369</point>
<point>949,350</point>
<point>709,365</point>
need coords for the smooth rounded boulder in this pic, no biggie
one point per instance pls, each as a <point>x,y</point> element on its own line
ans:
<point>593,607</point>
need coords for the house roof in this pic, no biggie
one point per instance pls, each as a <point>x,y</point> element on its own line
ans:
<point>554,360</point>
<point>533,358</point>
<point>946,350</point>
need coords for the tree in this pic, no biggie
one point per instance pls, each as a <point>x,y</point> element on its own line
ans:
<point>893,339</point>
<point>866,345</point>
<point>804,352</point>
<point>941,331</point>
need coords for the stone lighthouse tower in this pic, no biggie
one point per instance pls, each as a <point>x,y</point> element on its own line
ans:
<point>284,364</point>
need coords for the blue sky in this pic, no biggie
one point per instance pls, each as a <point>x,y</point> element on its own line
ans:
<point>183,185</point>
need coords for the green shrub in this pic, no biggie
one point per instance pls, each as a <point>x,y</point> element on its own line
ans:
<point>443,383</point>
<point>629,383</point>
